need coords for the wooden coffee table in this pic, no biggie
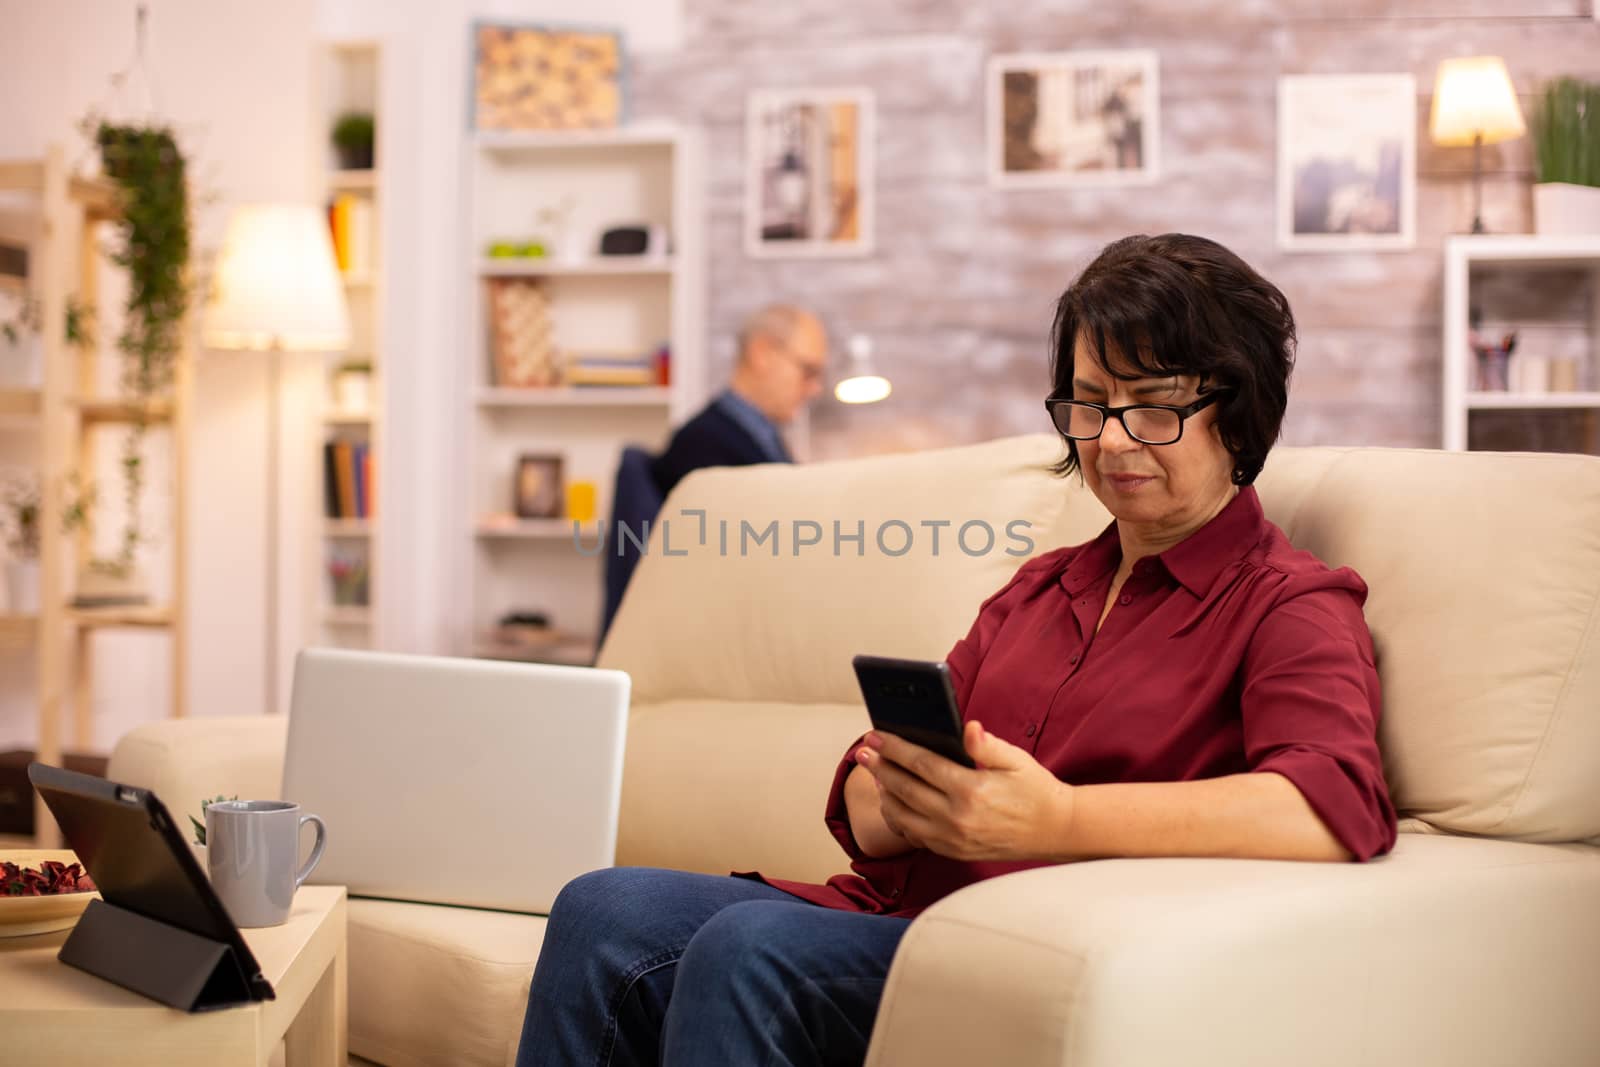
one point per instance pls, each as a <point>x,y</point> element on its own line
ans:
<point>54,1014</point>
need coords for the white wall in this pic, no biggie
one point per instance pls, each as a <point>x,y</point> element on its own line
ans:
<point>233,76</point>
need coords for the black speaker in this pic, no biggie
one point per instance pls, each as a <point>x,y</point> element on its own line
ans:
<point>625,241</point>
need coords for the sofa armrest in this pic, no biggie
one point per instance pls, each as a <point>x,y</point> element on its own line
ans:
<point>1448,951</point>
<point>185,761</point>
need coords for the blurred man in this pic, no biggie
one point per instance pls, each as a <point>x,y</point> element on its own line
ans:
<point>783,356</point>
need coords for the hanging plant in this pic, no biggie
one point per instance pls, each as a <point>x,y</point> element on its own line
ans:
<point>153,247</point>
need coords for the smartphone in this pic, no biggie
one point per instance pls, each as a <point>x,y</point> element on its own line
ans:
<point>913,699</point>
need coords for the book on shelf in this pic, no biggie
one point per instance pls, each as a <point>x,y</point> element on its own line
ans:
<point>617,370</point>
<point>347,471</point>
<point>350,218</point>
<point>587,376</point>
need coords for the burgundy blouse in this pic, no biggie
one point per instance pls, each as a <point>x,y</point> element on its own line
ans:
<point>1232,651</point>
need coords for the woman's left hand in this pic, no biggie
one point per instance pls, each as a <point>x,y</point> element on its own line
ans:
<point>1010,808</point>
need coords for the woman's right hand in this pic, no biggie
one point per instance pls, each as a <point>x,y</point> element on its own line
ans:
<point>863,801</point>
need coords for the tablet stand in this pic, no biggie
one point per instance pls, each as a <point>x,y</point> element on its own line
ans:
<point>150,957</point>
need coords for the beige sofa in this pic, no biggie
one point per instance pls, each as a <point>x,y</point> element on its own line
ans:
<point>1477,942</point>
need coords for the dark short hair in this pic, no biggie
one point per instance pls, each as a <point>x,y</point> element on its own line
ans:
<point>1177,304</point>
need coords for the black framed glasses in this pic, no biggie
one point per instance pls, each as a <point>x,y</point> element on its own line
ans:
<point>1151,424</point>
<point>809,372</point>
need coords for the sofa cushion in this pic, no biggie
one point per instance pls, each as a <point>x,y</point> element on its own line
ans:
<point>748,624</point>
<point>186,761</point>
<point>433,984</point>
<point>1484,570</point>
<point>777,758</point>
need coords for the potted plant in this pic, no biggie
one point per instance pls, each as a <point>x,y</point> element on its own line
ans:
<point>354,135</point>
<point>148,169</point>
<point>1566,130</point>
<point>352,387</point>
<point>19,526</point>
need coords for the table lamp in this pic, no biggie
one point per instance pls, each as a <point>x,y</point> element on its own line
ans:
<point>1474,104</point>
<point>277,289</point>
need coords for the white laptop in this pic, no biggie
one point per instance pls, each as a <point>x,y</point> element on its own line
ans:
<point>457,781</point>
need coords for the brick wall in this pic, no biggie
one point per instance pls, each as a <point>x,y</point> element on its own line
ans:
<point>959,292</point>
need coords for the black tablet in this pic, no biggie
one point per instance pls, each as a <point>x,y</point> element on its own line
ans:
<point>127,841</point>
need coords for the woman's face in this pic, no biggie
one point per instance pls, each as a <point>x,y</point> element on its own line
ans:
<point>1160,486</point>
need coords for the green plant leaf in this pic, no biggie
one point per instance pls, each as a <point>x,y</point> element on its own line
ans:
<point>150,172</point>
<point>1566,129</point>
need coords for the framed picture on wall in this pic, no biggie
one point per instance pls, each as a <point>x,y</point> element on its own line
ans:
<point>809,173</point>
<point>1347,162</point>
<point>1073,118</point>
<point>539,492</point>
<point>546,78</point>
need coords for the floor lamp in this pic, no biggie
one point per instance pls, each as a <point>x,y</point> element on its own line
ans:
<point>277,290</point>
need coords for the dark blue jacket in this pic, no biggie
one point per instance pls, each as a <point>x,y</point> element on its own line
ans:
<point>712,438</point>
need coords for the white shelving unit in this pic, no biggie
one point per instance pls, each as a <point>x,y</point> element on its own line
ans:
<point>638,175</point>
<point>517,268</point>
<point>1465,255</point>
<point>351,72</point>
<point>575,398</point>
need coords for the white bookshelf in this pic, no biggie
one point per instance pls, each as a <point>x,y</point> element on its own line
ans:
<point>536,530</point>
<point>1465,256</point>
<point>648,174</point>
<point>1531,401</point>
<point>665,135</point>
<point>350,73</point>
<point>347,529</point>
<point>533,267</point>
<point>583,397</point>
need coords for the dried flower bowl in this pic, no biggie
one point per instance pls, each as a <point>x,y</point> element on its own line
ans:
<point>22,916</point>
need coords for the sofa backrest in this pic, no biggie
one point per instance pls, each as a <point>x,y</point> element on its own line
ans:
<point>738,632</point>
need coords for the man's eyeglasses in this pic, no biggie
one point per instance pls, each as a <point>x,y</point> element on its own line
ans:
<point>809,372</point>
<point>1151,424</point>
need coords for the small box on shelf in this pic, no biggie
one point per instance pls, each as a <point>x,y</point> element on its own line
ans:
<point>525,643</point>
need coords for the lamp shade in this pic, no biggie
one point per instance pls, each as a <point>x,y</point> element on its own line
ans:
<point>861,384</point>
<point>1473,97</point>
<point>277,285</point>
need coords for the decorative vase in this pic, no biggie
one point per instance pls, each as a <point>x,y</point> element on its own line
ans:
<point>1562,209</point>
<point>22,586</point>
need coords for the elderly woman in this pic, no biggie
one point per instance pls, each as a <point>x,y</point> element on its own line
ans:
<point>1186,684</point>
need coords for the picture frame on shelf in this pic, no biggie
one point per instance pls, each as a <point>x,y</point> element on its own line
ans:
<point>809,163</point>
<point>535,76</point>
<point>539,491</point>
<point>1073,119</point>
<point>1347,162</point>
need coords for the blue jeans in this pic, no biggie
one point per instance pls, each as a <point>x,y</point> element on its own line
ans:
<point>642,966</point>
